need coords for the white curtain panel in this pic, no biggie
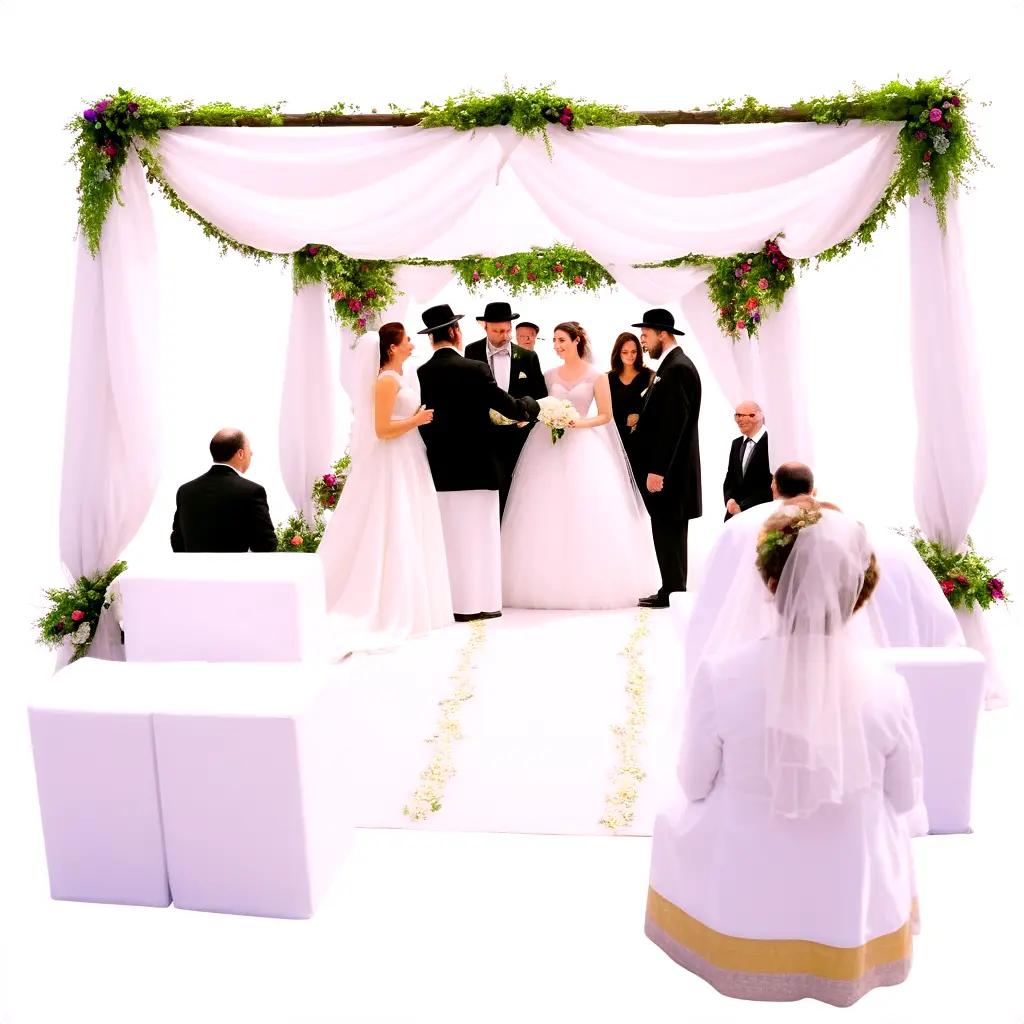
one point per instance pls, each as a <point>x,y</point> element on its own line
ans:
<point>306,432</point>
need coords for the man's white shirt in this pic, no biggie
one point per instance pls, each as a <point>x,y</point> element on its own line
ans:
<point>748,449</point>
<point>500,362</point>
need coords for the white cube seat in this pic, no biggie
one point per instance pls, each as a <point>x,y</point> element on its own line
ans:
<point>947,686</point>
<point>224,607</point>
<point>92,740</point>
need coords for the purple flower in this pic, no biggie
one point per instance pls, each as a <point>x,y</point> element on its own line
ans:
<point>756,318</point>
<point>133,107</point>
<point>101,106</point>
<point>995,588</point>
<point>89,115</point>
<point>935,115</point>
<point>738,272</point>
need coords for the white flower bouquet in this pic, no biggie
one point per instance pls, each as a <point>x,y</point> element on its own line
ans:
<point>556,414</point>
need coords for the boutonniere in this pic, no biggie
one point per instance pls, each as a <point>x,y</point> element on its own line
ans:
<point>522,375</point>
<point>649,386</point>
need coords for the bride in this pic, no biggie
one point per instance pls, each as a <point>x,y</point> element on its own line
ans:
<point>383,551</point>
<point>575,533</point>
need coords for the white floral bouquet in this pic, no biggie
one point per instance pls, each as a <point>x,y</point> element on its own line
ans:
<point>556,414</point>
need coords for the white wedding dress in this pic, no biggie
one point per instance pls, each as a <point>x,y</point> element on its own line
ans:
<point>575,533</point>
<point>383,552</point>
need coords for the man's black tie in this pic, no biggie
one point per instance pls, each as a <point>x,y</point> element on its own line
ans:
<point>743,455</point>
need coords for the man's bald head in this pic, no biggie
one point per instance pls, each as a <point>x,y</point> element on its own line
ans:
<point>791,480</point>
<point>749,418</point>
<point>231,446</point>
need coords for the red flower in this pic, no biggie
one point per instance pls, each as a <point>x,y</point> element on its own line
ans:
<point>928,157</point>
<point>751,304</point>
<point>361,321</point>
<point>370,294</point>
<point>577,279</point>
<point>955,100</point>
<point>558,268</point>
<point>110,149</point>
<point>61,626</point>
<point>312,249</point>
<point>741,324</point>
<point>499,264</point>
<point>296,542</point>
<point>514,270</point>
<point>331,499</point>
<point>725,311</point>
<point>962,580</point>
<point>77,616</point>
<point>476,275</point>
<point>531,276</point>
<point>948,586</point>
<point>745,267</point>
<point>337,295</point>
<point>355,305</point>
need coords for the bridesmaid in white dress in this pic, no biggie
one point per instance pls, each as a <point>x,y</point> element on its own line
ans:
<point>383,552</point>
<point>605,556</point>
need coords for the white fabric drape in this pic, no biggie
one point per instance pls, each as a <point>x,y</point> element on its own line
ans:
<point>306,432</point>
<point>951,464</point>
<point>111,430</point>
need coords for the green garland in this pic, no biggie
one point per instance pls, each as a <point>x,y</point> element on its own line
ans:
<point>537,271</point>
<point>360,289</point>
<point>327,489</point>
<point>964,576</point>
<point>74,611</point>
<point>295,534</point>
<point>936,146</point>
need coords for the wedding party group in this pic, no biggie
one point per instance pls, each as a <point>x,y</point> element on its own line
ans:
<point>455,467</point>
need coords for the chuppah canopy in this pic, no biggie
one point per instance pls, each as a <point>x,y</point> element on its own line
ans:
<point>659,209</point>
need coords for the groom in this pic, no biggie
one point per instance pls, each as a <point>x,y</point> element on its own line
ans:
<point>517,371</point>
<point>464,464</point>
<point>665,453</point>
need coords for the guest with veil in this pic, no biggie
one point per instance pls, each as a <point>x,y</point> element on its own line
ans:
<point>383,551</point>
<point>783,869</point>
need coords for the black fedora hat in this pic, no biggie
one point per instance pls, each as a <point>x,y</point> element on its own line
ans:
<point>438,317</point>
<point>659,320</point>
<point>497,313</point>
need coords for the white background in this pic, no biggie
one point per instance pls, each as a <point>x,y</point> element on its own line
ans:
<point>224,321</point>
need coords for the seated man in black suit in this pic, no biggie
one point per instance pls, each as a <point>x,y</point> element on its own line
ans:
<point>221,510</point>
<point>748,481</point>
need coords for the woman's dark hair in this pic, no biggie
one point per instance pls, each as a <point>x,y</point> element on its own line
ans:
<point>617,365</point>
<point>390,336</point>
<point>770,563</point>
<point>577,334</point>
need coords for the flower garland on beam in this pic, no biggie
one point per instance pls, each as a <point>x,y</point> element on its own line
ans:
<point>627,774</point>
<point>360,290</point>
<point>428,797</point>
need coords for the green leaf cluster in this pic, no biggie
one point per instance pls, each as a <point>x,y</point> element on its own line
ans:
<point>360,290</point>
<point>538,271</point>
<point>74,611</point>
<point>965,577</point>
<point>295,534</point>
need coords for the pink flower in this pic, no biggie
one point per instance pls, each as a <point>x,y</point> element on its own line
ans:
<point>746,267</point>
<point>355,305</point>
<point>296,541</point>
<point>515,270</point>
<point>77,616</point>
<point>101,106</point>
<point>577,279</point>
<point>955,100</point>
<point>725,311</point>
<point>361,321</point>
<point>330,479</point>
<point>312,249</point>
<point>946,104</point>
<point>741,324</point>
<point>919,135</point>
<point>934,115</point>
<point>337,295</point>
<point>370,293</point>
<point>330,500</point>
<point>499,264</point>
<point>763,284</point>
<point>948,586</point>
<point>476,275</point>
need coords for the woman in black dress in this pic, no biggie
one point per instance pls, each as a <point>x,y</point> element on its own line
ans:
<point>629,379</point>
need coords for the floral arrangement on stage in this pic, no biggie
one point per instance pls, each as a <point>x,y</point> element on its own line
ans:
<point>537,271</point>
<point>744,288</point>
<point>428,797</point>
<point>627,774</point>
<point>327,490</point>
<point>965,576</point>
<point>74,611</point>
<point>298,535</point>
<point>556,414</point>
<point>360,290</point>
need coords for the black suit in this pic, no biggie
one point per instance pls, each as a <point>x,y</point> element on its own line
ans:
<point>222,511</point>
<point>664,442</point>
<point>525,379</point>
<point>753,487</point>
<point>460,440</point>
